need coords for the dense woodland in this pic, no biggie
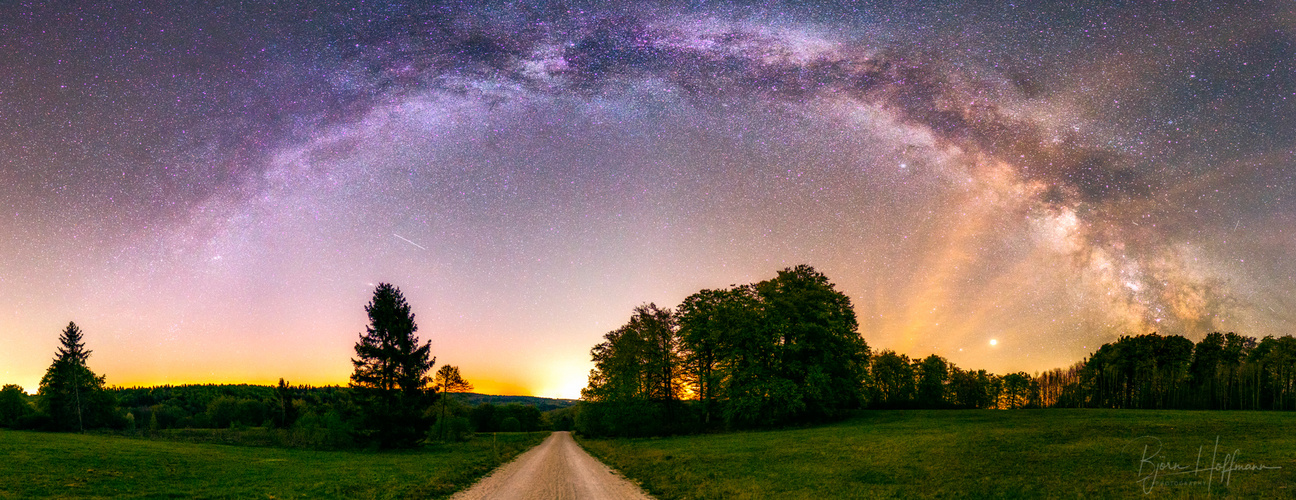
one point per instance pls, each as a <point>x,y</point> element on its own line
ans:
<point>394,399</point>
<point>306,416</point>
<point>782,351</point>
<point>787,351</point>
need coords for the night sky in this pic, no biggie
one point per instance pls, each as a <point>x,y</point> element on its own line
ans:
<point>212,191</point>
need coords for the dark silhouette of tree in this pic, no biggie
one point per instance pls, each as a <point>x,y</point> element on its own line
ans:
<point>390,381</point>
<point>70,393</point>
<point>820,350</point>
<point>783,350</point>
<point>282,405</point>
<point>661,356</point>
<point>617,375</point>
<point>483,417</point>
<point>725,347</point>
<point>1208,358</point>
<point>1223,371</point>
<point>972,389</point>
<point>638,361</point>
<point>1019,391</point>
<point>13,404</point>
<point>893,380</point>
<point>1173,356</point>
<point>637,375</point>
<point>448,381</point>
<point>702,323</point>
<point>933,377</point>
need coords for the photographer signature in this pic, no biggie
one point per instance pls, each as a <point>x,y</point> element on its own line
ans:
<point>1154,468</point>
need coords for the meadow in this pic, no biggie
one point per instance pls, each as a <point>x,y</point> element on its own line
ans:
<point>59,465</point>
<point>1050,453</point>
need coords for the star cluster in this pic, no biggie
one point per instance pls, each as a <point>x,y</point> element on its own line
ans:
<point>212,192</point>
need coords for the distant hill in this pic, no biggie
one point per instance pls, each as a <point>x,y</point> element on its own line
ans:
<point>542,404</point>
<point>195,397</point>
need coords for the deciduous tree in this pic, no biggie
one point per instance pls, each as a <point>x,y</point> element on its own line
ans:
<point>448,381</point>
<point>13,404</point>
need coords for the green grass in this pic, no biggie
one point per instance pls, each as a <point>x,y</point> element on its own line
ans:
<point>51,465</point>
<point>968,454</point>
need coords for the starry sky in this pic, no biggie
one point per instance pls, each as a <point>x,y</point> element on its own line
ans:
<point>212,190</point>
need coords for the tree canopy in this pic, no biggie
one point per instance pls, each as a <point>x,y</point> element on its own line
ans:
<point>782,350</point>
<point>391,380</point>
<point>71,394</point>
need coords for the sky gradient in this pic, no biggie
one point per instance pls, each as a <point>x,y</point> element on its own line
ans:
<point>212,192</point>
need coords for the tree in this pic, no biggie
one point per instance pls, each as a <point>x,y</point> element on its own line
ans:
<point>391,379</point>
<point>1204,370</point>
<point>638,361</point>
<point>933,376</point>
<point>448,381</point>
<point>70,393</point>
<point>709,323</point>
<point>283,411</point>
<point>483,417</point>
<point>1016,390</point>
<point>223,411</point>
<point>893,380</point>
<point>782,350</point>
<point>13,404</point>
<point>820,349</point>
<point>972,389</point>
<point>637,375</point>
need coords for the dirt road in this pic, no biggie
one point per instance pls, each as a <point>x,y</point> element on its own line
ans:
<point>557,469</point>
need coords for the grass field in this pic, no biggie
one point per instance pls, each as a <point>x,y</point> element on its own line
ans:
<point>975,454</point>
<point>49,465</point>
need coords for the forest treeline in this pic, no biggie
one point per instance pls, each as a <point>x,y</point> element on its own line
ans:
<point>294,415</point>
<point>395,398</point>
<point>781,351</point>
<point>787,350</point>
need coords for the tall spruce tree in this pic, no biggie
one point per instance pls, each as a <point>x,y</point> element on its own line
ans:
<point>70,393</point>
<point>391,380</point>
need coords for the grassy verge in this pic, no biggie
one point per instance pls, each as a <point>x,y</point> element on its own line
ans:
<point>48,465</point>
<point>974,454</point>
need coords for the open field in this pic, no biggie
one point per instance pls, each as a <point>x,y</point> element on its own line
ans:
<point>51,465</point>
<point>976,454</point>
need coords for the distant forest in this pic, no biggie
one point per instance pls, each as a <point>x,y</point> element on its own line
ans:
<point>311,417</point>
<point>784,351</point>
<point>787,350</point>
<point>395,398</point>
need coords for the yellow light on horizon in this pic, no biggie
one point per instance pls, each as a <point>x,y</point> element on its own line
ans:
<point>994,342</point>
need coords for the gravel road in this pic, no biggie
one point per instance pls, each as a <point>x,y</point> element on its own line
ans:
<point>557,469</point>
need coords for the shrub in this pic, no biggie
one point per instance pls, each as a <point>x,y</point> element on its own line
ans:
<point>34,421</point>
<point>452,428</point>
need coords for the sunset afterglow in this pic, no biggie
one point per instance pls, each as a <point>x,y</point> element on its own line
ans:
<point>212,194</point>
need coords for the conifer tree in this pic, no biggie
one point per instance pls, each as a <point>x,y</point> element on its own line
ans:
<point>391,380</point>
<point>70,393</point>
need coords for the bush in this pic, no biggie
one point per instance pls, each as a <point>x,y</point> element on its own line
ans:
<point>252,412</point>
<point>635,419</point>
<point>483,418</point>
<point>222,411</point>
<point>34,421</point>
<point>451,428</point>
<point>13,405</point>
<point>563,422</point>
<point>329,431</point>
<point>511,424</point>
